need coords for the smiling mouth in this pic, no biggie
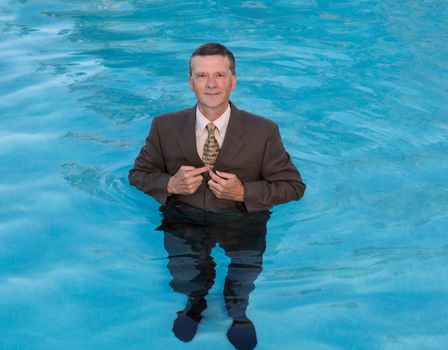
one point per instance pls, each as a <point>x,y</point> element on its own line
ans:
<point>212,93</point>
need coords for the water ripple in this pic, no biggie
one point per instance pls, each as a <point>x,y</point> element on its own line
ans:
<point>110,184</point>
<point>97,139</point>
<point>391,254</point>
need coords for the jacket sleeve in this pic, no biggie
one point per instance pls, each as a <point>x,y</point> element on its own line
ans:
<point>149,171</point>
<point>281,181</point>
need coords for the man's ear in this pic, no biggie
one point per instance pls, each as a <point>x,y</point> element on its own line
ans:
<point>233,82</point>
<point>190,82</point>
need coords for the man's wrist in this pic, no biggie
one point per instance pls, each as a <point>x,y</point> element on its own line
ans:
<point>241,197</point>
<point>169,187</point>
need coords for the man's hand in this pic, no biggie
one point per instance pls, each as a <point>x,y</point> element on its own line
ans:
<point>186,181</point>
<point>226,186</point>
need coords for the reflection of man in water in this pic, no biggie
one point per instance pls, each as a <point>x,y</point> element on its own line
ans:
<point>229,167</point>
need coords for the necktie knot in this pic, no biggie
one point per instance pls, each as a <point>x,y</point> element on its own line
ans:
<point>211,128</point>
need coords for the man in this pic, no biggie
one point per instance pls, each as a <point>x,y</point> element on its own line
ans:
<point>217,171</point>
<point>247,166</point>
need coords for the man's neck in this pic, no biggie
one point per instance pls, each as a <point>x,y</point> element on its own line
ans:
<point>213,113</point>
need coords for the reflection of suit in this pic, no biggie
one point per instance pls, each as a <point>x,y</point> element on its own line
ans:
<point>252,149</point>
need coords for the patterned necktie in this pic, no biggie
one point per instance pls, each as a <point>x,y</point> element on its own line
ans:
<point>211,147</point>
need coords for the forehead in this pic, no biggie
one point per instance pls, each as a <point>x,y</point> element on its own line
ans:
<point>212,63</point>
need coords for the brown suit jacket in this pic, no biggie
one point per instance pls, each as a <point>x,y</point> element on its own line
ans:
<point>252,149</point>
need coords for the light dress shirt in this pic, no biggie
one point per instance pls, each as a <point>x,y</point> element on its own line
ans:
<point>201,129</point>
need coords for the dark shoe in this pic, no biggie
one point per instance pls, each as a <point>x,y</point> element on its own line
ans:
<point>242,334</point>
<point>187,321</point>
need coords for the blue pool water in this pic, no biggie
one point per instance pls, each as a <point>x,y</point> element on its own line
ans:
<point>359,90</point>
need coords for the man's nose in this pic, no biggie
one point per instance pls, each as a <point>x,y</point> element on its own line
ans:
<point>211,81</point>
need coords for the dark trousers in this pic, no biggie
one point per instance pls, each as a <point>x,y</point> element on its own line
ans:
<point>189,236</point>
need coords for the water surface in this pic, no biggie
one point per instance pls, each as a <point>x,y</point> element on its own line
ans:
<point>359,90</point>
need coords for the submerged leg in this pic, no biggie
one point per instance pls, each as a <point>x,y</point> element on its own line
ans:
<point>193,273</point>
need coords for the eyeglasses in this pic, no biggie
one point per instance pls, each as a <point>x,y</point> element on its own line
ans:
<point>204,77</point>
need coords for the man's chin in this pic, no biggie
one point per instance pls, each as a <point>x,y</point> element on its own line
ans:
<point>213,105</point>
<point>213,100</point>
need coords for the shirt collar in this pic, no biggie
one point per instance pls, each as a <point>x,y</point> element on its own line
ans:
<point>220,123</point>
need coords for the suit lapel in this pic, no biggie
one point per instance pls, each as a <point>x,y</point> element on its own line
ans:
<point>186,138</point>
<point>233,141</point>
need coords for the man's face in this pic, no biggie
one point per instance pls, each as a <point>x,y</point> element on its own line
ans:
<point>212,82</point>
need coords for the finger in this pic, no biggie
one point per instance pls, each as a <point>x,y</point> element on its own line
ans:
<point>190,186</point>
<point>216,178</point>
<point>197,186</point>
<point>214,186</point>
<point>197,171</point>
<point>194,172</point>
<point>224,175</point>
<point>195,180</point>
<point>211,184</point>
<point>214,191</point>
<point>186,168</point>
<point>193,187</point>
